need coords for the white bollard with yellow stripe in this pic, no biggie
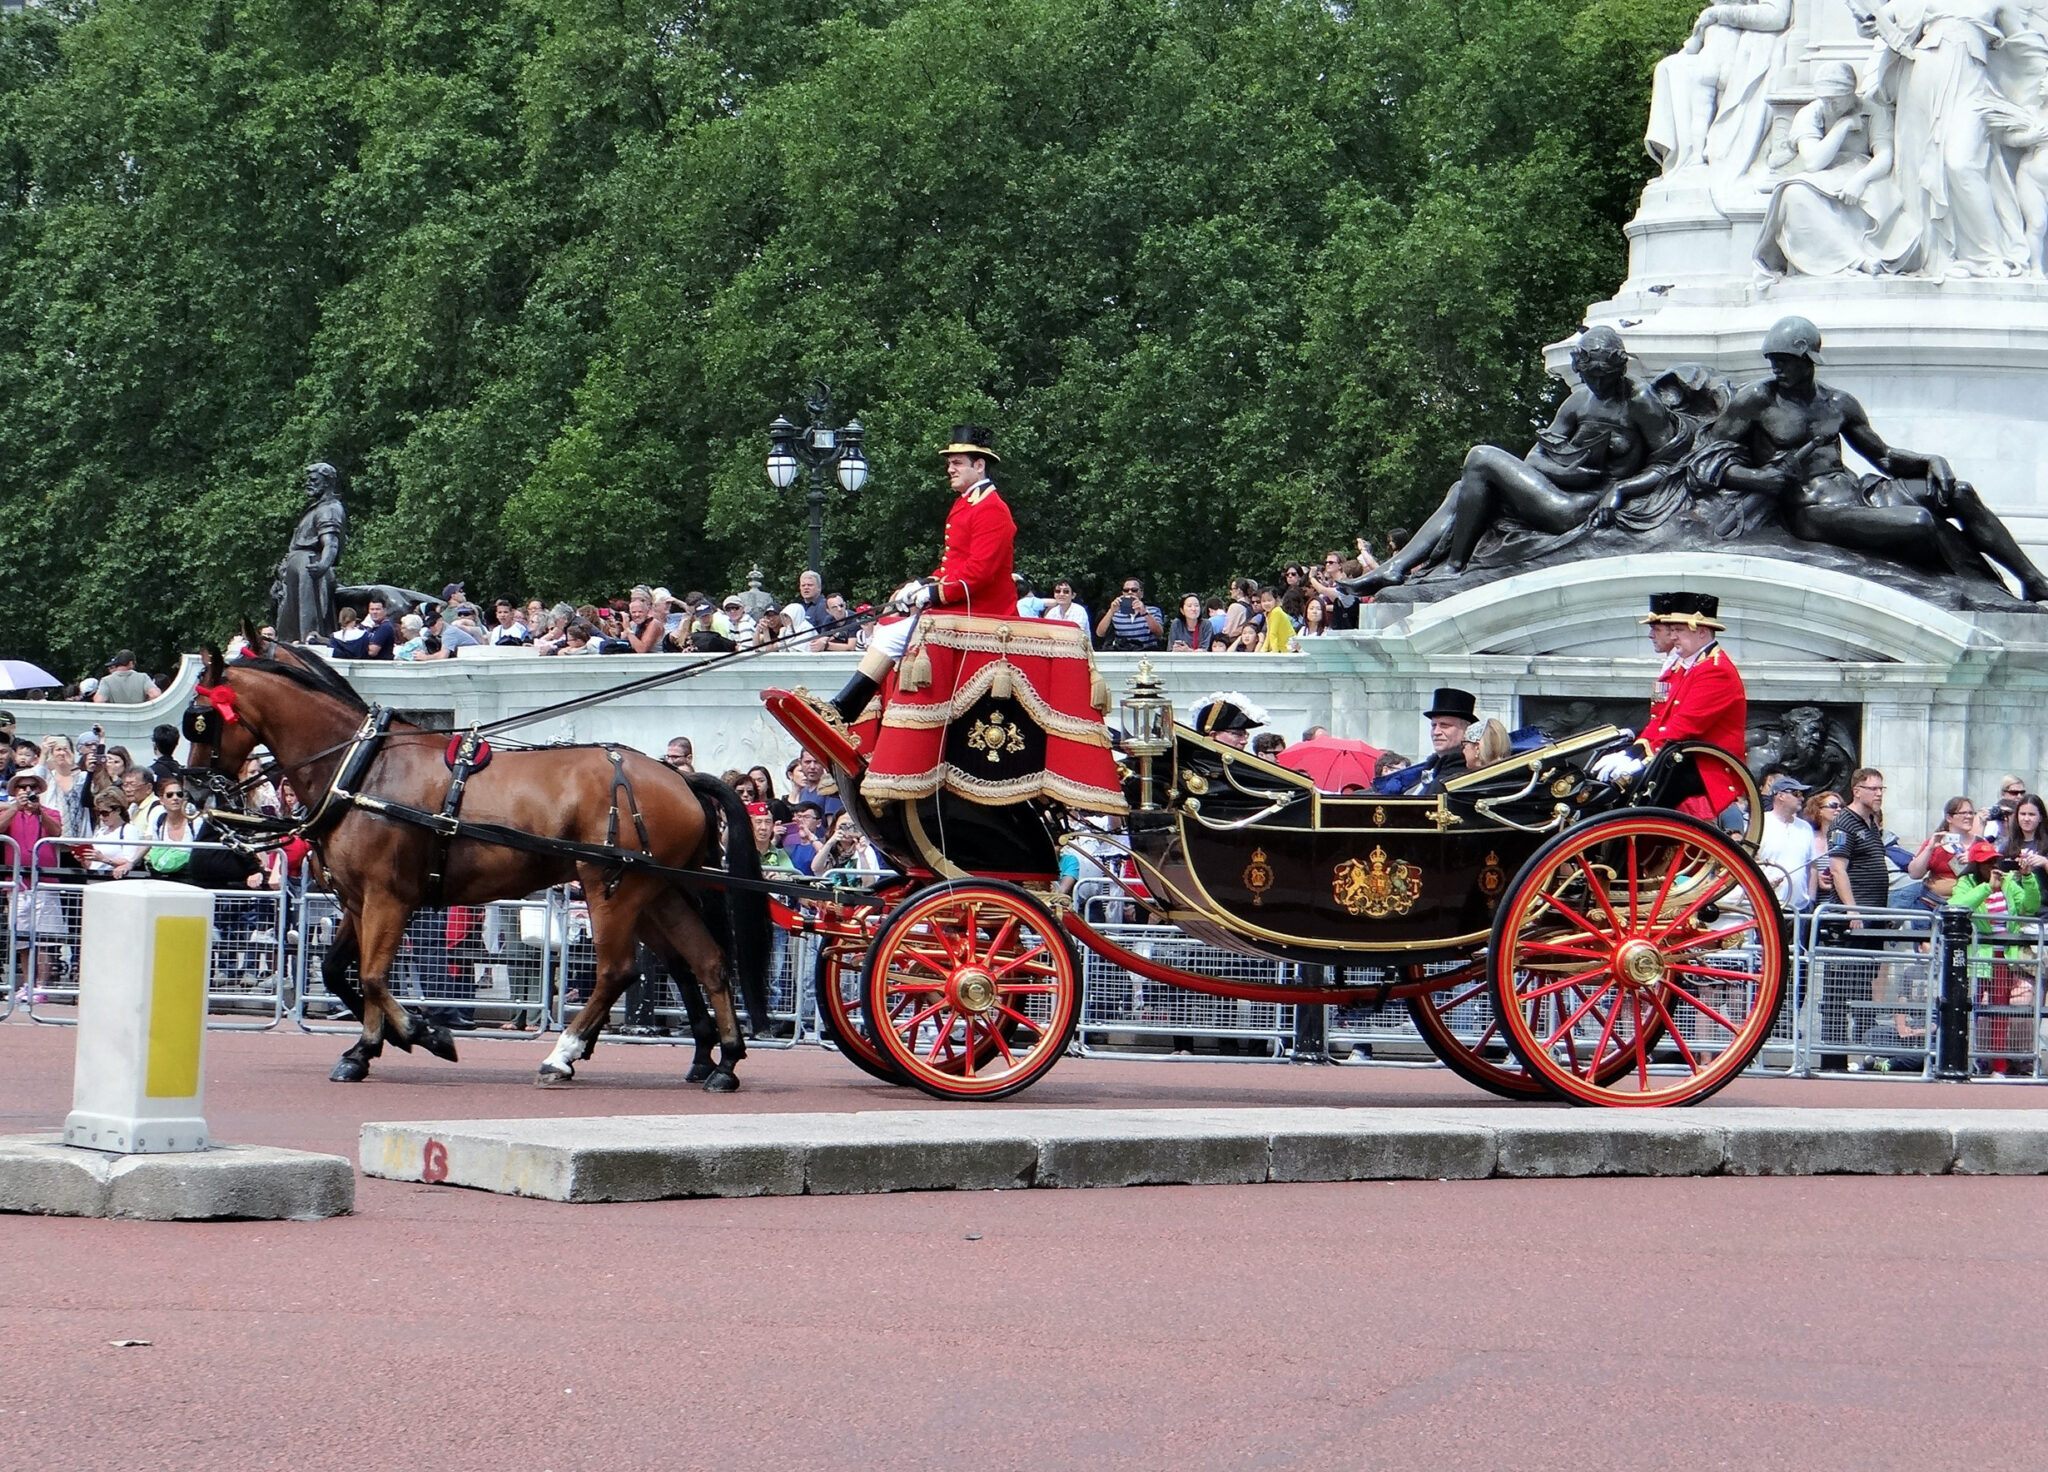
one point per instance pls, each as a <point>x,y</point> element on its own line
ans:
<point>140,1084</point>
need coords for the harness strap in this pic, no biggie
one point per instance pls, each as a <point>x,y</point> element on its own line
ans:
<point>451,811</point>
<point>621,782</point>
<point>788,890</point>
<point>368,743</point>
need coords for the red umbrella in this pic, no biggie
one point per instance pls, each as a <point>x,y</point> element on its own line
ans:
<point>1331,762</point>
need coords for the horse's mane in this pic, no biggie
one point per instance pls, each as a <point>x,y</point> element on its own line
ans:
<point>314,674</point>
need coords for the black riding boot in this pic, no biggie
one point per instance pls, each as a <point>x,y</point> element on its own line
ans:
<point>854,699</point>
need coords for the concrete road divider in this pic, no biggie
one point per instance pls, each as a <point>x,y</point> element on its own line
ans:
<point>656,1157</point>
<point>42,1175</point>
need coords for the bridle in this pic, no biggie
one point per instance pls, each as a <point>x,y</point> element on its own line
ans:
<point>214,706</point>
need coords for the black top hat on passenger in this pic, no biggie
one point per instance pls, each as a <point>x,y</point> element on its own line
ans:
<point>972,439</point>
<point>1458,705</point>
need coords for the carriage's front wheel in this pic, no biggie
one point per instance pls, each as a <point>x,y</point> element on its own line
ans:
<point>1642,937</point>
<point>971,990</point>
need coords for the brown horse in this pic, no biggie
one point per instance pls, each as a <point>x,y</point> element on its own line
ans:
<point>316,727</point>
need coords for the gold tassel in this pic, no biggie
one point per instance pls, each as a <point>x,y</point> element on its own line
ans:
<point>1098,690</point>
<point>917,672</point>
<point>1000,686</point>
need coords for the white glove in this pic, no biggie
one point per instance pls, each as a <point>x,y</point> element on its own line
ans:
<point>905,596</point>
<point>921,594</point>
<point>1616,766</point>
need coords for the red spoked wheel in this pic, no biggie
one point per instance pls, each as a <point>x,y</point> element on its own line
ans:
<point>1462,1029</point>
<point>971,990</point>
<point>1645,936</point>
<point>1703,754</point>
<point>836,981</point>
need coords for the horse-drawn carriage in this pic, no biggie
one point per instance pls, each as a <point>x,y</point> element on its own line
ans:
<point>1551,934</point>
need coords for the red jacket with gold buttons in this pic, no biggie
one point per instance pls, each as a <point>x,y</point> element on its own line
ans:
<point>1708,703</point>
<point>976,574</point>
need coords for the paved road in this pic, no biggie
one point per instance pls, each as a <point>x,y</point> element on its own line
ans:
<point>1816,1323</point>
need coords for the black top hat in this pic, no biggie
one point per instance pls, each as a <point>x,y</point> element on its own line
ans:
<point>1459,705</point>
<point>1694,610</point>
<point>972,439</point>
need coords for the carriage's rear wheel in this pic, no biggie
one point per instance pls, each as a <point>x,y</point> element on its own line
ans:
<point>1701,755</point>
<point>972,990</point>
<point>1462,1029</point>
<point>1629,931</point>
<point>836,982</point>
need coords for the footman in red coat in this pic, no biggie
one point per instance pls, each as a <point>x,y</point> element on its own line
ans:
<point>1706,702</point>
<point>974,576</point>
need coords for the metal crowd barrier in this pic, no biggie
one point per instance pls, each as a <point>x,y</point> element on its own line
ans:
<point>246,959</point>
<point>12,862</point>
<point>494,966</point>
<point>1865,987</point>
<point>2005,969</point>
<point>1862,997</point>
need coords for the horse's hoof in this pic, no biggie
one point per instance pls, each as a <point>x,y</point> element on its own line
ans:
<point>436,1040</point>
<point>349,1071</point>
<point>698,1072</point>
<point>721,1082</point>
<point>551,1077</point>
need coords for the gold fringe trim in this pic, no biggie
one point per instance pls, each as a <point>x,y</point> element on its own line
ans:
<point>1001,636</point>
<point>923,717</point>
<point>1080,795</point>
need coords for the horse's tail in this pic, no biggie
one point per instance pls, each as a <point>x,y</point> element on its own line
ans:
<point>739,917</point>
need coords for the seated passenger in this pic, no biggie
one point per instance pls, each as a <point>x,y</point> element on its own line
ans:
<point>1490,745</point>
<point>1227,717</point>
<point>1450,715</point>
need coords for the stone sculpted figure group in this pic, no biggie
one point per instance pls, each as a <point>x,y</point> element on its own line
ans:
<point>1769,451</point>
<point>1928,158</point>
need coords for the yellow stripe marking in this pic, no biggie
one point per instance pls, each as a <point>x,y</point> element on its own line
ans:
<point>177,1007</point>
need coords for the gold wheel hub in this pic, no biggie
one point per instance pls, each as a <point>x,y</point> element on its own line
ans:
<point>1639,963</point>
<point>974,991</point>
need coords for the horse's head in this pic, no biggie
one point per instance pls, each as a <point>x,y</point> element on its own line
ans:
<point>273,695</point>
<point>214,723</point>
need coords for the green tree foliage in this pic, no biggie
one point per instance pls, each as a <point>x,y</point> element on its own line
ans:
<point>1234,279</point>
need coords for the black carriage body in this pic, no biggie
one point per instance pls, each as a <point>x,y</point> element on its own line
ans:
<point>1249,855</point>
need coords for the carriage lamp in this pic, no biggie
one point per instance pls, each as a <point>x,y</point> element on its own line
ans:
<point>1147,713</point>
<point>819,446</point>
<point>1148,725</point>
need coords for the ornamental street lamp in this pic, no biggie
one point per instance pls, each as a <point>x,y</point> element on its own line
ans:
<point>821,446</point>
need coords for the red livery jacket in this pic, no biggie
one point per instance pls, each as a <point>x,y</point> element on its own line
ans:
<point>1708,703</point>
<point>975,576</point>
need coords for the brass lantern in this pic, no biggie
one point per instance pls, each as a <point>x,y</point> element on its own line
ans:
<point>1148,726</point>
<point>1147,713</point>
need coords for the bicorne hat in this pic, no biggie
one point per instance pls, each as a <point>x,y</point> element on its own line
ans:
<point>1694,610</point>
<point>972,439</point>
<point>1459,705</point>
<point>1227,710</point>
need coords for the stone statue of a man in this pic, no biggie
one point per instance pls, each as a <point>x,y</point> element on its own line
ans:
<point>304,587</point>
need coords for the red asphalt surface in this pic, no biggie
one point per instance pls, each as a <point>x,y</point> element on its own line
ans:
<point>1811,1323</point>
